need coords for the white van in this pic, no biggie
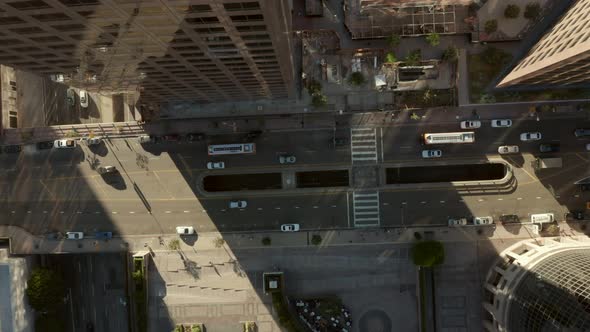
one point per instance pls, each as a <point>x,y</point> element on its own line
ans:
<point>542,218</point>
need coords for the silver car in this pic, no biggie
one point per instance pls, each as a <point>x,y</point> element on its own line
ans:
<point>287,159</point>
<point>431,153</point>
<point>74,235</point>
<point>503,123</point>
<point>478,221</point>
<point>506,149</point>
<point>525,137</point>
<point>457,222</point>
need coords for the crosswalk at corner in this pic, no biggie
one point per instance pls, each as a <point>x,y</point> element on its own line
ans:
<point>365,207</point>
<point>363,144</point>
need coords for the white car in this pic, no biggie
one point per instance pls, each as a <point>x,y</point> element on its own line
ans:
<point>503,123</point>
<point>470,124</point>
<point>238,204</point>
<point>216,165</point>
<point>83,98</point>
<point>91,140</point>
<point>477,221</point>
<point>185,230</point>
<point>74,235</point>
<point>457,222</point>
<point>287,159</point>
<point>506,149</point>
<point>64,144</point>
<point>290,228</point>
<point>530,136</point>
<point>431,153</point>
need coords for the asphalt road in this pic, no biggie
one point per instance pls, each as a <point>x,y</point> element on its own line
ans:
<point>58,190</point>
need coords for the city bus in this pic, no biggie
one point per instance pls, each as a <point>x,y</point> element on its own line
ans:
<point>449,138</point>
<point>220,149</point>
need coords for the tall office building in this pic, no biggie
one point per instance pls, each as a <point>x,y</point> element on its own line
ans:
<point>197,50</point>
<point>540,284</point>
<point>561,56</point>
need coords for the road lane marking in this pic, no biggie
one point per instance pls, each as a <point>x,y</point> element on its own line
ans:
<point>500,199</point>
<point>385,203</point>
<point>29,212</point>
<point>131,212</point>
<point>538,197</point>
<point>442,202</point>
<point>315,206</point>
<point>259,209</point>
<point>277,208</point>
<point>185,211</point>
<point>168,212</point>
<point>423,202</point>
<point>51,194</point>
<point>44,212</point>
<point>480,200</point>
<point>519,199</point>
<point>114,212</point>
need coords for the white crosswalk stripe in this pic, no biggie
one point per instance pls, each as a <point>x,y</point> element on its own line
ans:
<point>365,207</point>
<point>363,144</point>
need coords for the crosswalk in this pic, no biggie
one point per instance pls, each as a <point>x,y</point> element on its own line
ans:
<point>365,205</point>
<point>363,144</point>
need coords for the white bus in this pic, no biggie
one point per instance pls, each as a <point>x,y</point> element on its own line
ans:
<point>449,138</point>
<point>231,148</point>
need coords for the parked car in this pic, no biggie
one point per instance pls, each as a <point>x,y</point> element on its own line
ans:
<point>506,149</point>
<point>237,204</point>
<point>64,144</point>
<point>509,219</point>
<point>457,221</point>
<point>215,165</point>
<point>103,235</point>
<point>582,132</point>
<point>254,134</point>
<point>185,230</point>
<point>83,98</point>
<point>488,220</point>
<point>588,147</point>
<point>503,123</point>
<point>91,141</point>
<point>549,147</point>
<point>576,214</point>
<point>11,149</point>
<point>74,235</point>
<point>106,169</point>
<point>44,145</point>
<point>144,139</point>
<point>525,137</point>
<point>431,153</point>
<point>290,228</point>
<point>470,124</point>
<point>171,138</point>
<point>287,159</point>
<point>71,97</point>
<point>195,137</point>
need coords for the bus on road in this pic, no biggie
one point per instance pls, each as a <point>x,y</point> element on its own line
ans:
<point>449,138</point>
<point>241,148</point>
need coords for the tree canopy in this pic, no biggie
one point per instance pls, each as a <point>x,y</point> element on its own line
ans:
<point>45,289</point>
<point>428,253</point>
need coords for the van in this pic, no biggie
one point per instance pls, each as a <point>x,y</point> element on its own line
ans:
<point>542,218</point>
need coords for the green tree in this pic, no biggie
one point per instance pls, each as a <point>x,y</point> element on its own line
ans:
<point>316,239</point>
<point>433,39</point>
<point>491,26</point>
<point>451,54</point>
<point>511,11</point>
<point>356,79</point>
<point>314,87</point>
<point>45,289</point>
<point>318,99</point>
<point>390,57</point>
<point>393,40</point>
<point>494,56</point>
<point>414,58</point>
<point>428,253</point>
<point>174,244</point>
<point>266,241</point>
<point>532,10</point>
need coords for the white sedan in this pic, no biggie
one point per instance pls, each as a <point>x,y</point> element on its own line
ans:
<point>185,230</point>
<point>64,144</point>
<point>74,235</point>
<point>470,124</point>
<point>431,153</point>
<point>530,136</point>
<point>478,221</point>
<point>503,123</point>
<point>290,228</point>
<point>506,149</point>
<point>216,165</point>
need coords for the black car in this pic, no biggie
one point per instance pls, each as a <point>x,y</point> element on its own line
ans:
<point>44,145</point>
<point>254,134</point>
<point>549,147</point>
<point>509,219</point>
<point>577,214</point>
<point>195,137</point>
<point>11,148</point>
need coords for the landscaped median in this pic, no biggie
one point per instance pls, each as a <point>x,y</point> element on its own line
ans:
<point>140,292</point>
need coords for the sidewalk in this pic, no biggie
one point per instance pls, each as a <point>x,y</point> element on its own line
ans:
<point>25,243</point>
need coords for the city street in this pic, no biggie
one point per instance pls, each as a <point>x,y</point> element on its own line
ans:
<point>159,185</point>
